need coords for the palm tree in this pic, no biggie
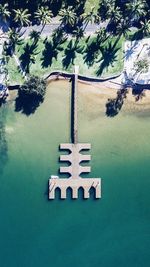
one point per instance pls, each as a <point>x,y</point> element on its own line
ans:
<point>104,7</point>
<point>22,17</point>
<point>89,17</point>
<point>123,29</point>
<point>101,35</point>
<point>43,15</point>
<point>115,16</point>
<point>14,38</point>
<point>67,16</point>
<point>4,12</point>
<point>145,29</point>
<point>78,33</point>
<point>114,13</point>
<point>136,9</point>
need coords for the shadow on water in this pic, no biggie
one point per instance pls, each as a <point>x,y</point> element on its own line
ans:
<point>138,93</point>
<point>57,193</point>
<point>27,104</point>
<point>3,140</point>
<point>92,193</point>
<point>113,106</point>
<point>69,194</point>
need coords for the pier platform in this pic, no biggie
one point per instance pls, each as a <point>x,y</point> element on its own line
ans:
<point>74,184</point>
<point>75,158</point>
<point>75,181</point>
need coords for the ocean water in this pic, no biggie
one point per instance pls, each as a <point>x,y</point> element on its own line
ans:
<point>111,232</point>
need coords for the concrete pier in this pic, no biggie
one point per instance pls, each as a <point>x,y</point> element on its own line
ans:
<point>75,158</point>
<point>74,108</point>
<point>74,184</point>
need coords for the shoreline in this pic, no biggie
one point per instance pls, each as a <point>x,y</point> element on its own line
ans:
<point>98,94</point>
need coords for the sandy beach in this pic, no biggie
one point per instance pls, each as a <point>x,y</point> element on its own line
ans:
<point>100,93</point>
<point>97,95</point>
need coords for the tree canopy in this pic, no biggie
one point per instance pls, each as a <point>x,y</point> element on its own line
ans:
<point>34,86</point>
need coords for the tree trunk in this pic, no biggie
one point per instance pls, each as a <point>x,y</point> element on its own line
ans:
<point>42,28</point>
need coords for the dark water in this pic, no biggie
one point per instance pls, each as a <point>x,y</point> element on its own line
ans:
<point>113,231</point>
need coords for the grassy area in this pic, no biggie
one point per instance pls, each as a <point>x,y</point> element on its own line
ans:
<point>41,68</point>
<point>14,74</point>
<point>90,3</point>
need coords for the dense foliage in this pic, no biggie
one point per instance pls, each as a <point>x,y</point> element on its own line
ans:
<point>118,12</point>
<point>73,17</point>
<point>30,95</point>
<point>34,86</point>
<point>141,65</point>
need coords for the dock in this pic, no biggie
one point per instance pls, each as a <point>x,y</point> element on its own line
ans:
<point>74,158</point>
<point>74,109</point>
<point>75,185</point>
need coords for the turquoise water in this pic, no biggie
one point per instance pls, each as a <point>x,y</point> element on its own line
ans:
<point>113,231</point>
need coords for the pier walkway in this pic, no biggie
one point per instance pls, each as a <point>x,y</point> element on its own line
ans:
<point>74,158</point>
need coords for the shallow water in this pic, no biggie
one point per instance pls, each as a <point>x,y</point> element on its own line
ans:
<point>113,231</point>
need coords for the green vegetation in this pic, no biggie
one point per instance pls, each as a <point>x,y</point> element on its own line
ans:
<point>34,86</point>
<point>98,55</point>
<point>21,17</point>
<point>43,58</point>
<point>4,12</point>
<point>43,15</point>
<point>30,95</point>
<point>141,66</point>
<point>91,3</point>
<point>15,77</point>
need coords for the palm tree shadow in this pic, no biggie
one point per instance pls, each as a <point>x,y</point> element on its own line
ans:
<point>28,56</point>
<point>70,54</point>
<point>58,37</point>
<point>109,56</point>
<point>90,53</point>
<point>131,50</point>
<point>27,104</point>
<point>138,92</point>
<point>50,52</point>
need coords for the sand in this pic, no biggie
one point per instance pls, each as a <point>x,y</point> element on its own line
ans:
<point>97,95</point>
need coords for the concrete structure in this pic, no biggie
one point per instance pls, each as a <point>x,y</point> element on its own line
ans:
<point>74,117</point>
<point>74,184</point>
<point>74,158</point>
<point>135,51</point>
